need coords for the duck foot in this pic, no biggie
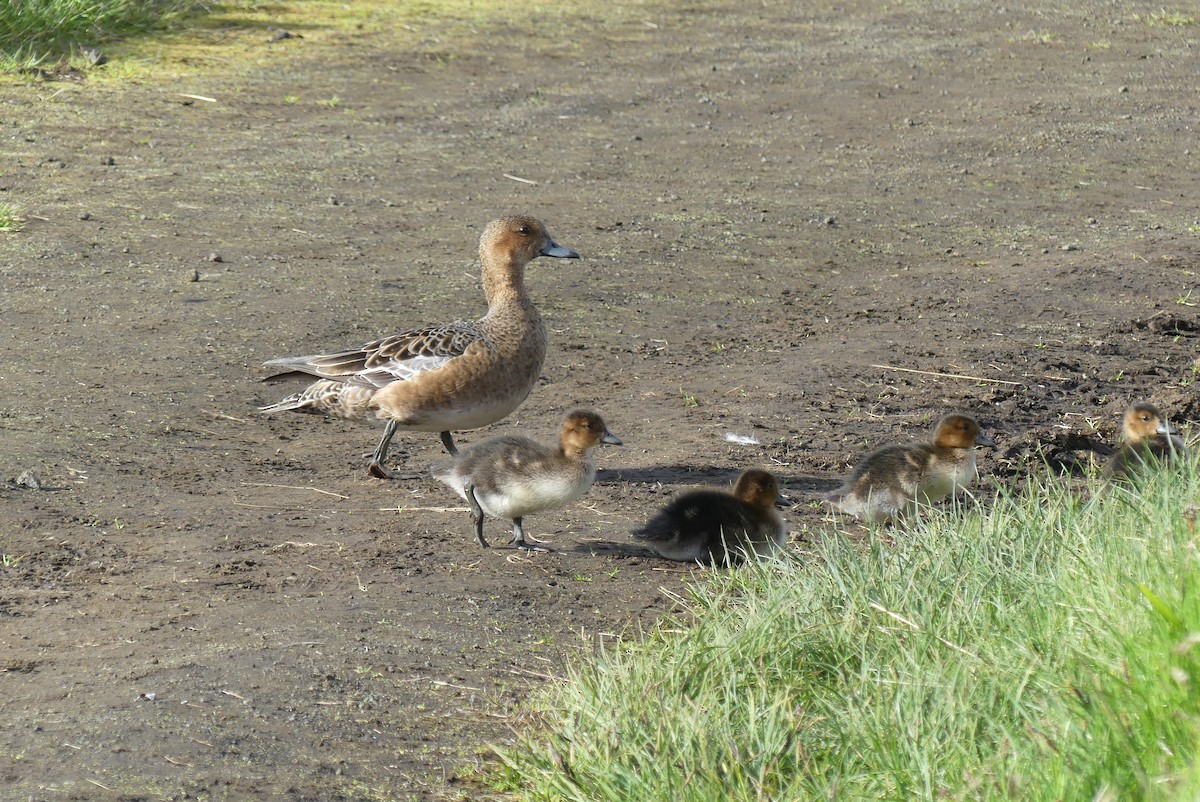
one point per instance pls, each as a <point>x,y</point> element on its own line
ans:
<point>520,542</point>
<point>377,470</point>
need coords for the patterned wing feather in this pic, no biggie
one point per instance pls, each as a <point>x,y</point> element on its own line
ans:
<point>394,358</point>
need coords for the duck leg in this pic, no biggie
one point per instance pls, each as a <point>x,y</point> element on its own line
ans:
<point>476,515</point>
<point>376,468</point>
<point>448,442</point>
<point>519,540</point>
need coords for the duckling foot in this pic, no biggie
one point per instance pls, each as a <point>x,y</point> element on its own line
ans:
<point>520,542</point>
<point>448,442</point>
<point>476,515</point>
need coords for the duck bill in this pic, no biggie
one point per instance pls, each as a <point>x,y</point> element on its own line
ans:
<point>783,501</point>
<point>1166,429</point>
<point>554,249</point>
<point>611,439</point>
<point>982,439</point>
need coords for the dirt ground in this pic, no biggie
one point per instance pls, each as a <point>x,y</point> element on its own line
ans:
<point>792,216</point>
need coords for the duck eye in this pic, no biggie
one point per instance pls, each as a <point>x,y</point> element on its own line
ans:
<point>523,230</point>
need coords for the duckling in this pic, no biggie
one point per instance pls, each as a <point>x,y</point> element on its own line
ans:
<point>1149,438</point>
<point>511,476</point>
<point>719,528</point>
<point>893,480</point>
<point>442,378</point>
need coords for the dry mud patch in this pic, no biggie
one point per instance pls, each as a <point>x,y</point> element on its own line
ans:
<point>779,208</point>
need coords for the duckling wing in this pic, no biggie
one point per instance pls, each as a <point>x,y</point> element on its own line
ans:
<point>698,526</point>
<point>390,359</point>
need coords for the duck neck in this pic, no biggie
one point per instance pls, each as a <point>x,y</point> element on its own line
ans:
<point>504,282</point>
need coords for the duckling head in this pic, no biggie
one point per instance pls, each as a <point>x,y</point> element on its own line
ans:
<point>522,239</point>
<point>1142,422</point>
<point>759,489</point>
<point>959,430</point>
<point>583,430</point>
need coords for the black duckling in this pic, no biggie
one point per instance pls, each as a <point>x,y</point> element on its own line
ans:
<point>719,528</point>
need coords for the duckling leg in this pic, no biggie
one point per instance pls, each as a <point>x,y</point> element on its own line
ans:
<point>476,515</point>
<point>448,442</point>
<point>519,538</point>
<point>376,468</point>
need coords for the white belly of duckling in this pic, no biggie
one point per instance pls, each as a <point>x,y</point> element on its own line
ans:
<point>520,496</point>
<point>940,484</point>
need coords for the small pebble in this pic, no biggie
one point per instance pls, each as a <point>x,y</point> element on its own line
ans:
<point>84,216</point>
<point>215,257</point>
<point>28,480</point>
<point>108,161</point>
<point>194,275</point>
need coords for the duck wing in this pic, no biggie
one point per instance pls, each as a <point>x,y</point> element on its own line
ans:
<point>394,358</point>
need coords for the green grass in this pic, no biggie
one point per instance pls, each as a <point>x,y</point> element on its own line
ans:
<point>1045,649</point>
<point>10,217</point>
<point>34,30</point>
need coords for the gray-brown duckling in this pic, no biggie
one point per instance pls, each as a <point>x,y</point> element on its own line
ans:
<point>1149,439</point>
<point>511,476</point>
<point>893,480</point>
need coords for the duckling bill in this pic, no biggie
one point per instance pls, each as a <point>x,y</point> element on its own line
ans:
<point>892,481</point>
<point>441,378</point>
<point>1149,440</point>
<point>511,476</point>
<point>718,528</point>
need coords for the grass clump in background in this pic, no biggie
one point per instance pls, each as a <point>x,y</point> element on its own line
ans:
<point>1047,648</point>
<point>33,31</point>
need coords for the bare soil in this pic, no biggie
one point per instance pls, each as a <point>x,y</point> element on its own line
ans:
<point>782,208</point>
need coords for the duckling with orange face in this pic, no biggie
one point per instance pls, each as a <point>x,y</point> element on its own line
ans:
<point>511,477</point>
<point>1149,440</point>
<point>892,481</point>
<point>719,528</point>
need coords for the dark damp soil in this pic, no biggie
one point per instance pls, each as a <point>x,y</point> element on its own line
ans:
<point>820,227</point>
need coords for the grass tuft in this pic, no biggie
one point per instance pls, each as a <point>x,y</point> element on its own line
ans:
<point>1047,648</point>
<point>10,217</point>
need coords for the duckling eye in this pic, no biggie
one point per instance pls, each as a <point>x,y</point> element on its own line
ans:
<point>523,230</point>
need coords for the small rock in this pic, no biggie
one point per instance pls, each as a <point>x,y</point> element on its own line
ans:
<point>108,161</point>
<point>280,35</point>
<point>215,257</point>
<point>28,480</point>
<point>194,275</point>
<point>1069,247</point>
<point>84,216</point>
